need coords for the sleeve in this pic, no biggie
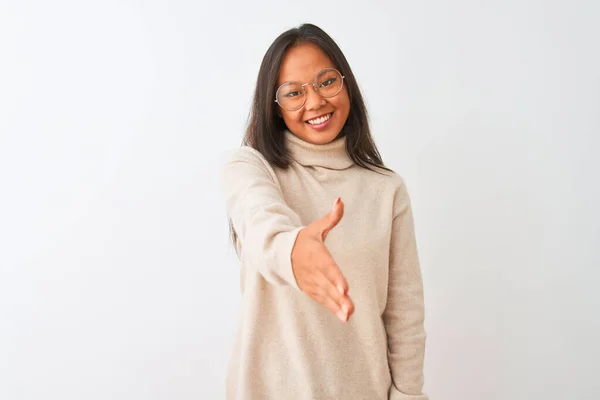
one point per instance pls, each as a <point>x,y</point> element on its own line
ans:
<point>404,313</point>
<point>266,226</point>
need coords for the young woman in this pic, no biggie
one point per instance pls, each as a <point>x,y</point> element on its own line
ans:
<point>330,278</point>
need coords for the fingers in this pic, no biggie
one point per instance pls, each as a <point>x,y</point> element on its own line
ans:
<point>333,295</point>
<point>331,305</point>
<point>334,286</point>
<point>333,275</point>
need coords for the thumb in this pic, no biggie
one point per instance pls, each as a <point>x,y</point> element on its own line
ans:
<point>332,218</point>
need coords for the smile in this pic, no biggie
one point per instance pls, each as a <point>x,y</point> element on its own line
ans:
<point>320,120</point>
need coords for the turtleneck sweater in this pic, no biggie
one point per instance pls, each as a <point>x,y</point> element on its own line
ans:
<point>287,346</point>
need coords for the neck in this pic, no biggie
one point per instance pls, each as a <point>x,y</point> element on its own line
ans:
<point>331,155</point>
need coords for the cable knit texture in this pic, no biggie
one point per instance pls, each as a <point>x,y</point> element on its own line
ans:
<point>287,346</point>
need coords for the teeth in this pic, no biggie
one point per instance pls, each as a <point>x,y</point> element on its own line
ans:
<point>319,120</point>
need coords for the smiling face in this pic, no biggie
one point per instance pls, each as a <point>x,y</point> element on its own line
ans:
<point>319,120</point>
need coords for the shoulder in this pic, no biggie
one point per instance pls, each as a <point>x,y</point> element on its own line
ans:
<point>387,177</point>
<point>245,154</point>
<point>246,159</point>
<point>392,183</point>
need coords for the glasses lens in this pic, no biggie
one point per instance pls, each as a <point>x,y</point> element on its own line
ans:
<point>290,96</point>
<point>329,82</point>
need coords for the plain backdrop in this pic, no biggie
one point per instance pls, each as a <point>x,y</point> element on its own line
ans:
<point>117,280</point>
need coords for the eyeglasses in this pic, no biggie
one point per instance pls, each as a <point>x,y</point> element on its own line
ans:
<point>292,95</point>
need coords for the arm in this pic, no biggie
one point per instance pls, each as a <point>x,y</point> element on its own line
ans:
<point>404,313</point>
<point>266,227</point>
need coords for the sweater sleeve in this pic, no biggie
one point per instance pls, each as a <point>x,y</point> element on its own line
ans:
<point>404,313</point>
<point>265,225</point>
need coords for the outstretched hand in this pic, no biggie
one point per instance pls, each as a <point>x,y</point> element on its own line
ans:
<point>315,271</point>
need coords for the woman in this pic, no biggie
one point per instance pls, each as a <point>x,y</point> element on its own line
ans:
<point>332,295</point>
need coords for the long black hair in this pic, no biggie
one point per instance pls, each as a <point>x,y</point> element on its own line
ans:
<point>265,130</point>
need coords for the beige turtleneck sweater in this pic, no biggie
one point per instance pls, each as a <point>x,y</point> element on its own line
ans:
<point>288,346</point>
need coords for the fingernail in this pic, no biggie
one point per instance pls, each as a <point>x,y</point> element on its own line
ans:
<point>345,308</point>
<point>340,315</point>
<point>336,202</point>
<point>340,289</point>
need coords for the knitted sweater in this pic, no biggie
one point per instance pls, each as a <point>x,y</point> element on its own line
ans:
<point>288,346</point>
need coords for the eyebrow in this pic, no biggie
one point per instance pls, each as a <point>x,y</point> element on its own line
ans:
<point>297,81</point>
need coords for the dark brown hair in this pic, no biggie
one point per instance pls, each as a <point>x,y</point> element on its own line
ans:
<point>265,128</point>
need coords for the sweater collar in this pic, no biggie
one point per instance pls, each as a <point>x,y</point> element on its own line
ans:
<point>331,155</point>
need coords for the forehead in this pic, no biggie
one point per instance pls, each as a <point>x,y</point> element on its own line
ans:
<point>301,63</point>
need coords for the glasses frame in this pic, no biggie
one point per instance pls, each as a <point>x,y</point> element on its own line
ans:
<point>314,85</point>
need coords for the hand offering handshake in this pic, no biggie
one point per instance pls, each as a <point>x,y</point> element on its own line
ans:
<point>316,272</point>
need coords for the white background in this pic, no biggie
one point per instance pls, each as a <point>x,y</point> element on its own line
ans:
<point>116,277</point>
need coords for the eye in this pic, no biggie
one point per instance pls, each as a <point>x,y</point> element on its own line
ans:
<point>292,94</point>
<point>328,82</point>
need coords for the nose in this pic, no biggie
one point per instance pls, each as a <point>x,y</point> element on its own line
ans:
<point>313,100</point>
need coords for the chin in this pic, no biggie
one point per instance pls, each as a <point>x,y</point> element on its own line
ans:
<point>320,136</point>
<point>315,137</point>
